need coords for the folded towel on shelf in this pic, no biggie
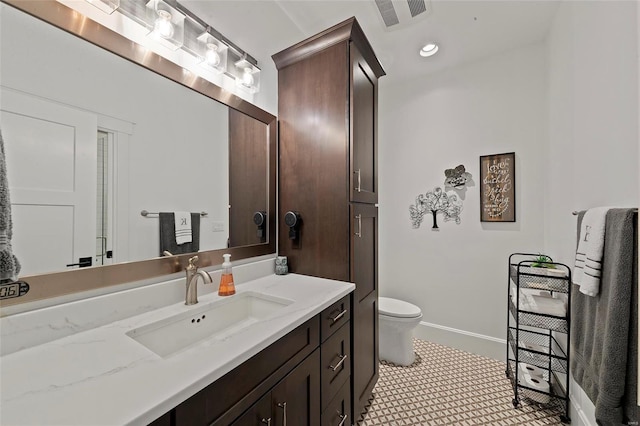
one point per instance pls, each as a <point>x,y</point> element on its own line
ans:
<point>533,346</point>
<point>541,303</point>
<point>182,224</point>
<point>168,240</point>
<point>588,265</point>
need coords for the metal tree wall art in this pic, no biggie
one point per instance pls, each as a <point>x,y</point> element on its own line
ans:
<point>436,201</point>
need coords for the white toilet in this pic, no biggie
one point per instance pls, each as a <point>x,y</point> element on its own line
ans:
<point>397,321</point>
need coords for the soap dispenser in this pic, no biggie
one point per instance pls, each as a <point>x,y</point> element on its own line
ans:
<point>227,288</point>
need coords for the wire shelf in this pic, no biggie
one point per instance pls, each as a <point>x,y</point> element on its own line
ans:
<point>556,398</point>
<point>548,322</point>
<point>530,277</point>
<point>550,356</point>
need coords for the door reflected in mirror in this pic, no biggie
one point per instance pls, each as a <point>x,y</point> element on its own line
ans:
<point>92,140</point>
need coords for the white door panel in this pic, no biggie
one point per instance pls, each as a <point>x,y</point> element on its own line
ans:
<point>38,237</point>
<point>54,195</point>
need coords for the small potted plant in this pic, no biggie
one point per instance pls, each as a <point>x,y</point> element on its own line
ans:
<point>542,264</point>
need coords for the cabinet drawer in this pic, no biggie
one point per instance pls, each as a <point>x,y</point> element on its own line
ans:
<point>339,409</point>
<point>335,363</point>
<point>334,317</point>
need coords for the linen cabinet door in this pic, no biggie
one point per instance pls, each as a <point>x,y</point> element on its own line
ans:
<point>295,401</point>
<point>259,414</point>
<point>363,130</point>
<point>364,273</point>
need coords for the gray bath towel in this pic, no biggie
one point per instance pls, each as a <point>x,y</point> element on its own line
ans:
<point>604,328</point>
<point>9,265</point>
<point>168,234</point>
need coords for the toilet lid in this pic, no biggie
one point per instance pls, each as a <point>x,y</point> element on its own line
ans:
<point>397,308</point>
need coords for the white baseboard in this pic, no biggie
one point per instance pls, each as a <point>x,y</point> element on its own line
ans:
<point>581,410</point>
<point>490,347</point>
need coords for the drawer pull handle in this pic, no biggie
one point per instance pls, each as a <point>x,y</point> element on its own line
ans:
<point>340,315</point>
<point>267,421</point>
<point>335,367</point>
<point>283,405</point>
<point>343,418</point>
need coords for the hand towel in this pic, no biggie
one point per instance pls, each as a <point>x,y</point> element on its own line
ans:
<point>9,265</point>
<point>604,329</point>
<point>588,266</point>
<point>168,235</point>
<point>182,222</point>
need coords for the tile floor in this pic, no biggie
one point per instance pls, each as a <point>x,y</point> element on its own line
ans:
<point>445,386</point>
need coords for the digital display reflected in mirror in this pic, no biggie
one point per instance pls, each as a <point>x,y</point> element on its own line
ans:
<point>92,139</point>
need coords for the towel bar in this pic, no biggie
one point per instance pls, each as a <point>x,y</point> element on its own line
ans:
<point>146,213</point>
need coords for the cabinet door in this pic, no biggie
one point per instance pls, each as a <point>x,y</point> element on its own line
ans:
<point>364,318</point>
<point>259,414</point>
<point>363,130</point>
<point>295,401</point>
<point>313,165</point>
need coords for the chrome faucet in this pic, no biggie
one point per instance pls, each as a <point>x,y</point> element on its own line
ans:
<point>191,297</point>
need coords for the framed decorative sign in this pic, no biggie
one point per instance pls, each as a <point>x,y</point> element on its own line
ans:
<point>498,187</point>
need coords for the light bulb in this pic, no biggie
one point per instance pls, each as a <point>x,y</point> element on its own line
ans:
<point>429,50</point>
<point>163,26</point>
<point>212,57</point>
<point>247,78</point>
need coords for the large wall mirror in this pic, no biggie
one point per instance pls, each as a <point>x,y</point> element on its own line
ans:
<point>94,138</point>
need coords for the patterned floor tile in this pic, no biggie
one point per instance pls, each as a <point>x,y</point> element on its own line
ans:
<point>445,386</point>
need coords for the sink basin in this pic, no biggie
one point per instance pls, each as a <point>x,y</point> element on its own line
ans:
<point>214,320</point>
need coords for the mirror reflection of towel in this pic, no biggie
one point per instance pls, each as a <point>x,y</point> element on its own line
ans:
<point>182,223</point>
<point>168,234</point>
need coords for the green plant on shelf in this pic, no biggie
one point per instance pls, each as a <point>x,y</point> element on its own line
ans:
<point>543,261</point>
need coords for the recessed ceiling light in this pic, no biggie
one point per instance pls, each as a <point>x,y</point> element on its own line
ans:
<point>429,50</point>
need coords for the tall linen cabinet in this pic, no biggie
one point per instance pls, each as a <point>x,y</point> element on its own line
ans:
<point>327,108</point>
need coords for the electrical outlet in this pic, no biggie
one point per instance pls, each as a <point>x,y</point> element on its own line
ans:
<point>217,227</point>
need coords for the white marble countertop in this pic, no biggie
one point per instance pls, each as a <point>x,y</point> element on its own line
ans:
<point>103,377</point>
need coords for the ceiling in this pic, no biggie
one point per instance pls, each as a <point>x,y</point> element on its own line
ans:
<point>465,30</point>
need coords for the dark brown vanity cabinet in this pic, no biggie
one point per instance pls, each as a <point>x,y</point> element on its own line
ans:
<point>327,107</point>
<point>293,401</point>
<point>300,380</point>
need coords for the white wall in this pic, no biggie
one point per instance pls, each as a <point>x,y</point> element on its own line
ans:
<point>592,151</point>
<point>179,139</point>
<point>457,276</point>
<point>593,116</point>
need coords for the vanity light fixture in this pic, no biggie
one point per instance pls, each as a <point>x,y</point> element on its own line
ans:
<point>107,6</point>
<point>168,24</point>
<point>169,29</point>
<point>212,53</point>
<point>429,49</point>
<point>247,75</point>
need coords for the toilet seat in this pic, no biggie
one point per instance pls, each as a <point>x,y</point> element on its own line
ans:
<point>397,308</point>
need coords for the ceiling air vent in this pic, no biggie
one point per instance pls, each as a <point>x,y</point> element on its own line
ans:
<point>416,7</point>
<point>387,12</point>
<point>397,14</point>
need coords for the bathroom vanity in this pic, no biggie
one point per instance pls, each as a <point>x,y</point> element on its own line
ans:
<point>285,355</point>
